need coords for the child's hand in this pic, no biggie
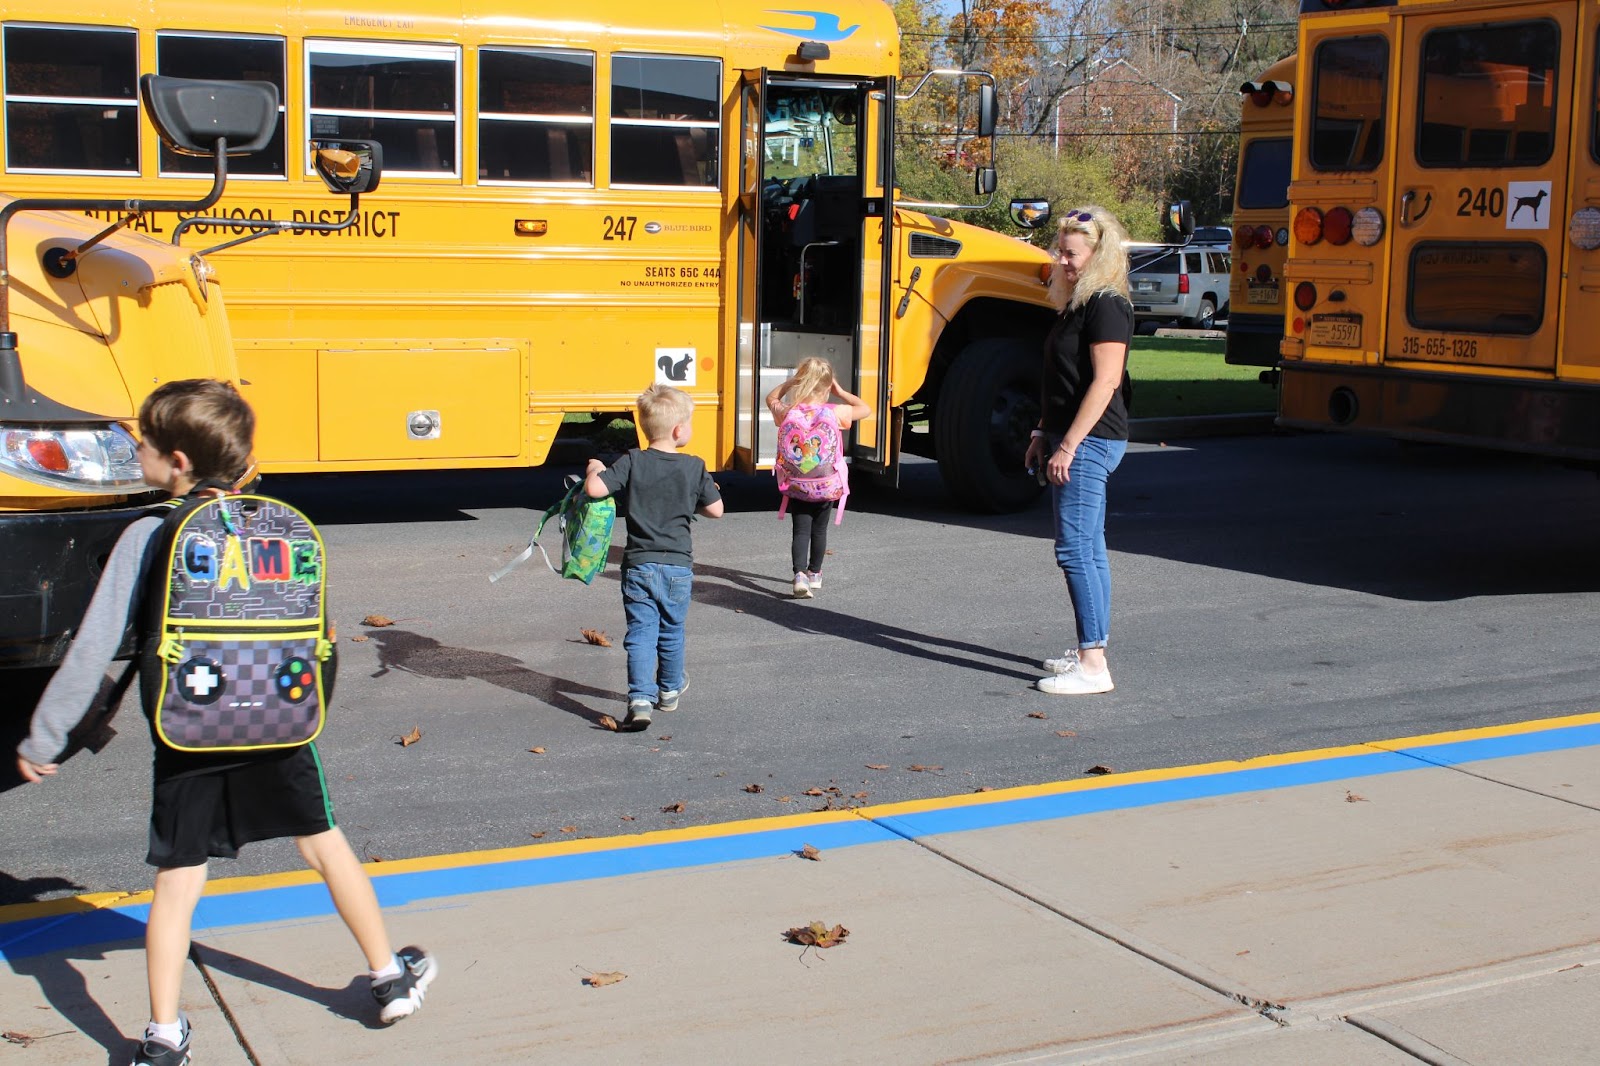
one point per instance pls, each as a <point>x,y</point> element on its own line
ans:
<point>31,771</point>
<point>595,466</point>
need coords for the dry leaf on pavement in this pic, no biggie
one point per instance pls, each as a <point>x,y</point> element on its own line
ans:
<point>595,636</point>
<point>1354,797</point>
<point>411,737</point>
<point>984,788</point>
<point>812,792</point>
<point>816,935</point>
<point>537,836</point>
<point>600,980</point>
<point>673,808</point>
<point>754,788</point>
<point>358,639</point>
<point>536,751</point>
<point>808,852</point>
<point>608,722</point>
<point>1066,733</point>
<point>1099,768</point>
<point>877,766</point>
<point>378,620</point>
<point>627,817</point>
<point>919,768</point>
<point>858,795</point>
<point>569,829</point>
<point>1037,714</point>
<point>20,1039</point>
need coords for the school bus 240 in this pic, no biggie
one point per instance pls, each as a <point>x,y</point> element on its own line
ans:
<point>574,205</point>
<point>1445,256</point>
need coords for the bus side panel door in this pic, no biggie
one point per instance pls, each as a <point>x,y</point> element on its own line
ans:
<point>1480,187</point>
<point>1580,346</point>
<point>876,447</point>
<point>750,386</point>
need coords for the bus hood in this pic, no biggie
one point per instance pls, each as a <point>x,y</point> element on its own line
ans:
<point>990,264</point>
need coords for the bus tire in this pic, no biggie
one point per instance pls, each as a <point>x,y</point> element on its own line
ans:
<point>988,407</point>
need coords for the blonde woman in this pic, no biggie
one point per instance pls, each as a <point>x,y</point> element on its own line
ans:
<point>1083,429</point>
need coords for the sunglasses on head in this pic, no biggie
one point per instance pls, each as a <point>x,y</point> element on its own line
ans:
<point>1076,215</point>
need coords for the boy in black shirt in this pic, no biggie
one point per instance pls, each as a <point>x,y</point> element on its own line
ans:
<point>663,489</point>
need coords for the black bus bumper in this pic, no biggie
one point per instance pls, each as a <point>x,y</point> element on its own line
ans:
<point>1253,339</point>
<point>49,565</point>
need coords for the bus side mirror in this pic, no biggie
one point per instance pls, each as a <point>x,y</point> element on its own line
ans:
<point>986,111</point>
<point>1180,219</point>
<point>1030,214</point>
<point>985,181</point>
<point>348,167</point>
<point>190,115</point>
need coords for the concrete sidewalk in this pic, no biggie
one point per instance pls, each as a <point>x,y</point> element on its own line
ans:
<point>1424,900</point>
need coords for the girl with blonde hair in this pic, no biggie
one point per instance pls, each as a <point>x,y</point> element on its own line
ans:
<point>1083,429</point>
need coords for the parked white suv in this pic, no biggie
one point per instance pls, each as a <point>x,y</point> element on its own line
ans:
<point>1187,283</point>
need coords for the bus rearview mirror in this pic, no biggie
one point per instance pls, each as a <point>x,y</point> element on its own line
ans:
<point>986,181</point>
<point>349,167</point>
<point>191,114</point>
<point>986,110</point>
<point>1180,218</point>
<point>1030,214</point>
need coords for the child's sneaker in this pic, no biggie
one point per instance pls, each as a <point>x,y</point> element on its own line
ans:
<point>399,997</point>
<point>802,585</point>
<point>638,716</point>
<point>153,1051</point>
<point>814,579</point>
<point>1068,660</point>
<point>1076,681</point>
<point>669,697</point>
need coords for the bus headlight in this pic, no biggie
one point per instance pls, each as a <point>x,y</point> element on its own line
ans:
<point>1368,226</point>
<point>79,458</point>
<point>1585,228</point>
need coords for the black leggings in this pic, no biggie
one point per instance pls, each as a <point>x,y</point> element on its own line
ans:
<point>810,541</point>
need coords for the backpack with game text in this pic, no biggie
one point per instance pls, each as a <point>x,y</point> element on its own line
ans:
<point>237,653</point>
<point>584,524</point>
<point>810,464</point>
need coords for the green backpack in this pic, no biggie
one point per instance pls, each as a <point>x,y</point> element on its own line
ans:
<point>585,527</point>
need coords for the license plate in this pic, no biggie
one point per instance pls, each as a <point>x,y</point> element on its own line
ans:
<point>1144,286</point>
<point>1262,294</point>
<point>1335,331</point>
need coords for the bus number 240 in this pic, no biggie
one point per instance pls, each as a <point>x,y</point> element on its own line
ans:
<point>1481,202</point>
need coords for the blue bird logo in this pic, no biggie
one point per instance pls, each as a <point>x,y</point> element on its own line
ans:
<point>825,26</point>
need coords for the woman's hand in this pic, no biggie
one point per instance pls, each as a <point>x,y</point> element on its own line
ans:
<point>1038,452</point>
<point>1058,469</point>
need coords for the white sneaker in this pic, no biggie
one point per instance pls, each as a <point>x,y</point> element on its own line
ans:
<point>1075,681</point>
<point>1068,660</point>
<point>802,585</point>
<point>814,580</point>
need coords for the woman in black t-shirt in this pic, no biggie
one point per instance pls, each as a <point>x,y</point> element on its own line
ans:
<point>1083,429</point>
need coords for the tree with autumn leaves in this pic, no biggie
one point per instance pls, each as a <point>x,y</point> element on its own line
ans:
<point>1126,103</point>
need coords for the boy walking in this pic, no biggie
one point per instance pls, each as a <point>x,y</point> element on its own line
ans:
<point>663,489</point>
<point>197,435</point>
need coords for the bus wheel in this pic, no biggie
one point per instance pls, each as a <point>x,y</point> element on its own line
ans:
<point>988,407</point>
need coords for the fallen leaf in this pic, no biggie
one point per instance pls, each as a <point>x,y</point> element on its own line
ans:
<point>738,610</point>
<point>984,788</point>
<point>20,1039</point>
<point>808,852</point>
<point>608,722</point>
<point>374,858</point>
<point>358,639</point>
<point>627,817</point>
<point>1066,733</point>
<point>858,795</point>
<point>918,768</point>
<point>1246,951</point>
<point>877,766</point>
<point>537,836</point>
<point>667,737</point>
<point>569,829</point>
<point>600,980</point>
<point>536,751</point>
<point>754,788</point>
<point>812,792</point>
<point>377,620</point>
<point>411,737</point>
<point>1098,768</point>
<point>816,935</point>
<point>595,636</point>
<point>1037,714</point>
<point>785,799</point>
<point>1354,797</point>
<point>673,808</point>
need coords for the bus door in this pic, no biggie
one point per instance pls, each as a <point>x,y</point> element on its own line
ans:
<point>812,259</point>
<point>1481,187</point>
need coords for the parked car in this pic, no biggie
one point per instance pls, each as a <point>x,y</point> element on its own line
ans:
<point>1187,283</point>
<point>1212,235</point>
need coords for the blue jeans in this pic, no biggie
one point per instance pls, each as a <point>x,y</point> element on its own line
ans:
<point>1080,520</point>
<point>655,598</point>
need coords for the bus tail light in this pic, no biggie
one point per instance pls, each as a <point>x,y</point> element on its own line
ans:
<point>1585,228</point>
<point>1282,236</point>
<point>1308,225</point>
<point>1261,97</point>
<point>1263,236</point>
<point>1245,237</point>
<point>1336,226</point>
<point>1368,226</point>
<point>1264,273</point>
<point>1305,296</point>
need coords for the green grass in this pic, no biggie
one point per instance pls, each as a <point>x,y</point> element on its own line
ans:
<point>1178,376</point>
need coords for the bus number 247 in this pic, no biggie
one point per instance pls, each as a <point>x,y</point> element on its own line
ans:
<point>620,227</point>
<point>1481,202</point>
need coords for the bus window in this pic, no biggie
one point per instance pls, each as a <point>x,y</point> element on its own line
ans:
<point>402,96</point>
<point>535,116</point>
<point>72,99</point>
<point>1349,84</point>
<point>665,121</point>
<point>1487,96</point>
<point>1477,287</point>
<point>1264,174</point>
<point>225,58</point>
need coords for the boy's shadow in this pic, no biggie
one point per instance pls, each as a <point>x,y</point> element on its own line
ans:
<point>66,989</point>
<point>742,591</point>
<point>401,649</point>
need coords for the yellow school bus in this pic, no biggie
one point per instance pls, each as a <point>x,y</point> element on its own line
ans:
<point>1256,293</point>
<point>1446,199</point>
<point>575,204</point>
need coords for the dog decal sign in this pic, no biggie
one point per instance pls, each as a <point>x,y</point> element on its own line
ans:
<point>1529,205</point>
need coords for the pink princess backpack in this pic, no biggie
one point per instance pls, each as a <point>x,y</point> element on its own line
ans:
<point>811,464</point>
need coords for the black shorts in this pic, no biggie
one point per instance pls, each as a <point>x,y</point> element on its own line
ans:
<point>210,807</point>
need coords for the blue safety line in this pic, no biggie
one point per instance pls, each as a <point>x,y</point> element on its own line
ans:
<point>106,926</point>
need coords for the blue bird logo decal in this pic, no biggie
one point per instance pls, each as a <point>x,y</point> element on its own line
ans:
<point>825,26</point>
